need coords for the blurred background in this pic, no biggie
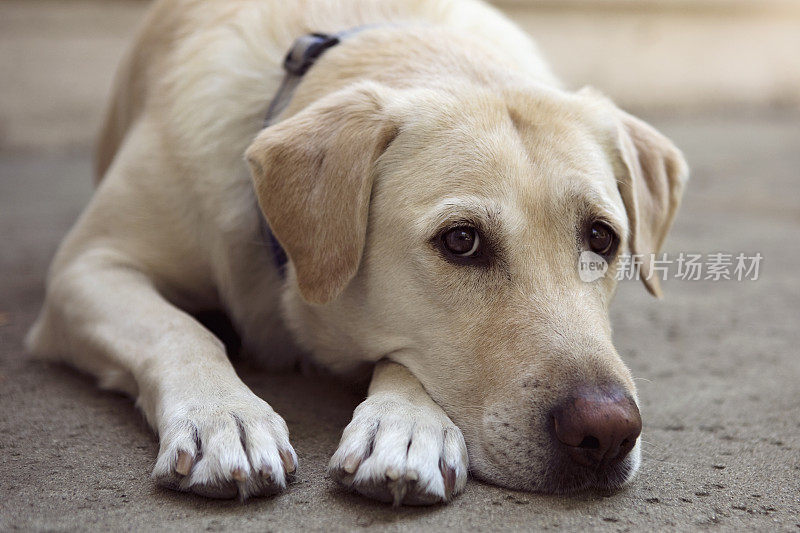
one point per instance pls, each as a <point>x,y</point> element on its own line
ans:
<point>57,57</point>
<point>716,363</point>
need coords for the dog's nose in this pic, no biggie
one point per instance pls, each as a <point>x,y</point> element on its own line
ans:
<point>598,426</point>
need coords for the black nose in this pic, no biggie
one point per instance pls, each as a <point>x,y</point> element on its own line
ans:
<point>597,426</point>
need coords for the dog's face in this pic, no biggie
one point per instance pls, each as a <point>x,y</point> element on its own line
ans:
<point>444,230</point>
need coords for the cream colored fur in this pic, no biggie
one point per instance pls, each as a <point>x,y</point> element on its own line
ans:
<point>440,111</point>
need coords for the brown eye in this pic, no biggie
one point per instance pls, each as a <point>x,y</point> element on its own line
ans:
<point>602,239</point>
<point>463,241</point>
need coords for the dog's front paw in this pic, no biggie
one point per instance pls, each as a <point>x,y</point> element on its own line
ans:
<point>399,452</point>
<point>237,446</point>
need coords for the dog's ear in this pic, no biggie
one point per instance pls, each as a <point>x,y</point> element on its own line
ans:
<point>313,177</point>
<point>651,182</point>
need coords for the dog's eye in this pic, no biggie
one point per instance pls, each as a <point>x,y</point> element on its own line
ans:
<point>462,241</point>
<point>602,239</point>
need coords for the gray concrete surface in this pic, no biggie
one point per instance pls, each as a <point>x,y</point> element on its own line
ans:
<point>717,362</point>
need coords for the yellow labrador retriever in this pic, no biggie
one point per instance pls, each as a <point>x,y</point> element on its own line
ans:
<point>432,186</point>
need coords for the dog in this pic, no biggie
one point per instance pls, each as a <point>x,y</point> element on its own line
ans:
<point>416,207</point>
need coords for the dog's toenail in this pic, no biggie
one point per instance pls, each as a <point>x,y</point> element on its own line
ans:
<point>266,471</point>
<point>412,475</point>
<point>449,478</point>
<point>399,491</point>
<point>239,475</point>
<point>392,473</point>
<point>288,461</point>
<point>184,463</point>
<point>351,463</point>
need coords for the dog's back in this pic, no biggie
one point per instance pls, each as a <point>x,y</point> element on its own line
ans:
<point>169,23</point>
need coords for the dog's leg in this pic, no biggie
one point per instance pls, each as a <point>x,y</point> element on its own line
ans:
<point>400,446</point>
<point>217,438</point>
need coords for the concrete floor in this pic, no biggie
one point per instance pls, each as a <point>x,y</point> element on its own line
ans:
<point>718,364</point>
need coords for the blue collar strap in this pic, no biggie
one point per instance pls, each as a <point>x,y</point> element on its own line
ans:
<point>302,55</point>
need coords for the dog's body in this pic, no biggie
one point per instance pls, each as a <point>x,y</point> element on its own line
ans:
<point>435,115</point>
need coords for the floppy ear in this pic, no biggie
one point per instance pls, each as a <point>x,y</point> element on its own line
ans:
<point>651,185</point>
<point>313,177</point>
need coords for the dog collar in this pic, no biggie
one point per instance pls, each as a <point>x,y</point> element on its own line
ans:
<point>301,57</point>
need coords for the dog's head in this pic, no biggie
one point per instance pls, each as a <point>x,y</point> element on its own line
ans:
<point>443,229</point>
